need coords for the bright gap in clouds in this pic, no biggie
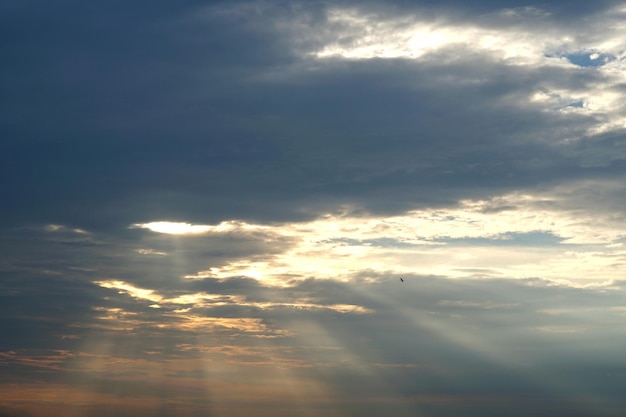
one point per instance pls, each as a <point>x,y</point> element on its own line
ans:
<point>359,35</point>
<point>182,228</point>
<point>520,37</point>
<point>184,306</point>
<point>512,236</point>
<point>523,36</point>
<point>173,228</point>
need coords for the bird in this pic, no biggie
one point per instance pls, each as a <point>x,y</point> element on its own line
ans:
<point>401,280</point>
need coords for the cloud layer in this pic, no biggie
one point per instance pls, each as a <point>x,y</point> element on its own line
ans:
<point>208,206</point>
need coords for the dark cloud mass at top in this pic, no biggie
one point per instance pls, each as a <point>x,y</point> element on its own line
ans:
<point>117,111</point>
<point>207,206</point>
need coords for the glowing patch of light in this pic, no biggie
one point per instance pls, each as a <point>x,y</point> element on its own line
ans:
<point>340,308</point>
<point>116,319</point>
<point>182,228</point>
<point>243,324</point>
<point>150,252</point>
<point>173,228</point>
<point>423,242</point>
<point>61,228</point>
<point>341,247</point>
<point>366,36</point>
<point>203,299</point>
<point>54,227</point>
<point>126,288</point>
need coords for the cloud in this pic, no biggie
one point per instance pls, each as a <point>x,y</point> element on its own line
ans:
<point>301,136</point>
<point>445,331</point>
<point>10,412</point>
<point>207,208</point>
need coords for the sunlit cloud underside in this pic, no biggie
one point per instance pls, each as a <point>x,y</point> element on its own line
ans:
<point>512,236</point>
<point>524,36</point>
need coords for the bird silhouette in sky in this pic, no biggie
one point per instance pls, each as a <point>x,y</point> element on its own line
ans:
<point>401,280</point>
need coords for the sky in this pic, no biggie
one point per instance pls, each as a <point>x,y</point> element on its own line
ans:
<point>312,208</point>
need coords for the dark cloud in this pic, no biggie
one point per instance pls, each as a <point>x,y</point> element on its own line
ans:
<point>10,412</point>
<point>153,118</point>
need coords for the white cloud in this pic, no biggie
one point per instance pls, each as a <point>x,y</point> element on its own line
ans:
<point>186,303</point>
<point>151,252</point>
<point>525,37</point>
<point>62,228</point>
<point>514,235</point>
<point>182,228</point>
<point>130,289</point>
